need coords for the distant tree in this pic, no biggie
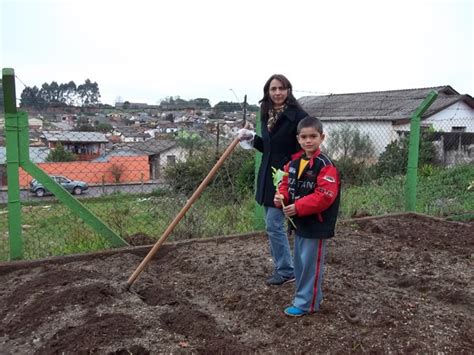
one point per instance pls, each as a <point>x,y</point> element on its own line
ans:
<point>225,106</point>
<point>104,127</point>
<point>253,108</point>
<point>201,103</point>
<point>88,93</point>
<point>55,94</point>
<point>191,141</point>
<point>86,128</point>
<point>117,172</point>
<point>70,93</point>
<point>348,142</point>
<point>126,105</point>
<point>30,97</point>
<point>59,154</point>
<point>352,152</point>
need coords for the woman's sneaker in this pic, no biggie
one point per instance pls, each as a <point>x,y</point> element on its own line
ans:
<point>277,279</point>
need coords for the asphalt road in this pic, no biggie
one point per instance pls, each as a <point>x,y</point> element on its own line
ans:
<point>93,191</point>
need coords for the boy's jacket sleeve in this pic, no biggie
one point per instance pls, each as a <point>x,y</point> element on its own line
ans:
<point>325,193</point>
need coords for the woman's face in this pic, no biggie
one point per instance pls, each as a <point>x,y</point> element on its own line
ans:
<point>278,93</point>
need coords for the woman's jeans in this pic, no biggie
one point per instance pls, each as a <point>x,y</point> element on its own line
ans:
<point>278,238</point>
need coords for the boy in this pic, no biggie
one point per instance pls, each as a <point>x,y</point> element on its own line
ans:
<point>310,191</point>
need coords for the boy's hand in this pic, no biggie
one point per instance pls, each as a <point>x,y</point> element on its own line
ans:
<point>277,200</point>
<point>290,210</point>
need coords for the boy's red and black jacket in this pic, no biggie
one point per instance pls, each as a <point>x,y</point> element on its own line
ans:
<point>316,195</point>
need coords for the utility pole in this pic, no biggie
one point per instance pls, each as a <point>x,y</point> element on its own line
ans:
<point>242,106</point>
<point>245,110</point>
<point>217,141</point>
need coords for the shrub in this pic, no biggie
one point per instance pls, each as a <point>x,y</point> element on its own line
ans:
<point>348,143</point>
<point>233,179</point>
<point>394,160</point>
<point>351,150</point>
<point>59,154</point>
<point>353,172</point>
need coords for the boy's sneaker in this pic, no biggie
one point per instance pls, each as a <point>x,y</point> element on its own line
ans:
<point>276,279</point>
<point>293,311</point>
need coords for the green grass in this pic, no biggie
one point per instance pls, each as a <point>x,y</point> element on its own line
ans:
<point>49,228</point>
<point>441,192</point>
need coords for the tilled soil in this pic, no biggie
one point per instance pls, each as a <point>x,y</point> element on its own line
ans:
<point>396,284</point>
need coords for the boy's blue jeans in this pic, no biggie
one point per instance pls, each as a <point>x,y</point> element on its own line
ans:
<point>279,245</point>
<point>309,272</point>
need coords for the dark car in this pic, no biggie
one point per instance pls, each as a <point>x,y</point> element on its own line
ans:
<point>75,187</point>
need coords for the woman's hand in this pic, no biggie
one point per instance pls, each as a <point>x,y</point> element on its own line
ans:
<point>245,134</point>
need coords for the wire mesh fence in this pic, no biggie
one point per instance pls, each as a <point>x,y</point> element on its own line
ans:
<point>135,165</point>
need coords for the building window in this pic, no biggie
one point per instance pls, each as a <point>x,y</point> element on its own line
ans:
<point>458,129</point>
<point>171,160</point>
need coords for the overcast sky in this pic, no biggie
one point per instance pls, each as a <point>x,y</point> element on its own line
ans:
<point>144,51</point>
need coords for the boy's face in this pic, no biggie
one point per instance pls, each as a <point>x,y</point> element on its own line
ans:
<point>310,140</point>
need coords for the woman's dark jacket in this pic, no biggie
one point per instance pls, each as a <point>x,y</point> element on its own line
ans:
<point>277,147</point>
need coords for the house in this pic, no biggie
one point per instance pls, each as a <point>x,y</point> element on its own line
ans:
<point>167,127</point>
<point>129,134</point>
<point>37,155</point>
<point>35,123</point>
<point>87,145</point>
<point>384,115</point>
<point>161,153</point>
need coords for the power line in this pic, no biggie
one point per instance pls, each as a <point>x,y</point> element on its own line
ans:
<point>314,92</point>
<point>238,100</point>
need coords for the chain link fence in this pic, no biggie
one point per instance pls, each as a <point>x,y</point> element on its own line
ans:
<point>135,165</point>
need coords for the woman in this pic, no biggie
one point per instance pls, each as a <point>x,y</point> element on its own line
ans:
<point>280,113</point>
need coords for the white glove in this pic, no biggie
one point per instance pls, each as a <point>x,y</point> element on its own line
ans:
<point>246,137</point>
<point>245,134</point>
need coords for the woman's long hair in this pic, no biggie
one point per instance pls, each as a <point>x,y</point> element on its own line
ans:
<point>266,102</point>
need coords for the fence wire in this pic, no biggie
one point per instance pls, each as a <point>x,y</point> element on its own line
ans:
<point>135,166</point>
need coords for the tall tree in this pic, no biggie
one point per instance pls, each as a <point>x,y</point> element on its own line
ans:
<point>88,93</point>
<point>191,141</point>
<point>30,97</point>
<point>60,94</point>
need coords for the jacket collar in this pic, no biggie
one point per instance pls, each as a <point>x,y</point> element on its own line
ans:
<point>290,113</point>
<point>299,154</point>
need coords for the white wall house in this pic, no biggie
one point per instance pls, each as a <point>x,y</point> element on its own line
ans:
<point>379,132</point>
<point>172,156</point>
<point>383,115</point>
<point>161,153</point>
<point>459,117</point>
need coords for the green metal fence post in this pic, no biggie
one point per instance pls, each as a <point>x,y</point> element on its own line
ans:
<point>17,137</point>
<point>259,215</point>
<point>61,194</point>
<point>413,150</point>
<point>13,164</point>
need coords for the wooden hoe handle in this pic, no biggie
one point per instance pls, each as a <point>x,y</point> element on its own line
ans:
<point>183,211</point>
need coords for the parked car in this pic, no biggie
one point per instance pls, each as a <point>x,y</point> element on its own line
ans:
<point>75,187</point>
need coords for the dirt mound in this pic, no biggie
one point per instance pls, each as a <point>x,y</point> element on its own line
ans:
<point>398,284</point>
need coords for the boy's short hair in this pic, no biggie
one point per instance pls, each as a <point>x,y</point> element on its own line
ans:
<point>310,121</point>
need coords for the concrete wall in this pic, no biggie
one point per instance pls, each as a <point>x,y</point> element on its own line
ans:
<point>135,169</point>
